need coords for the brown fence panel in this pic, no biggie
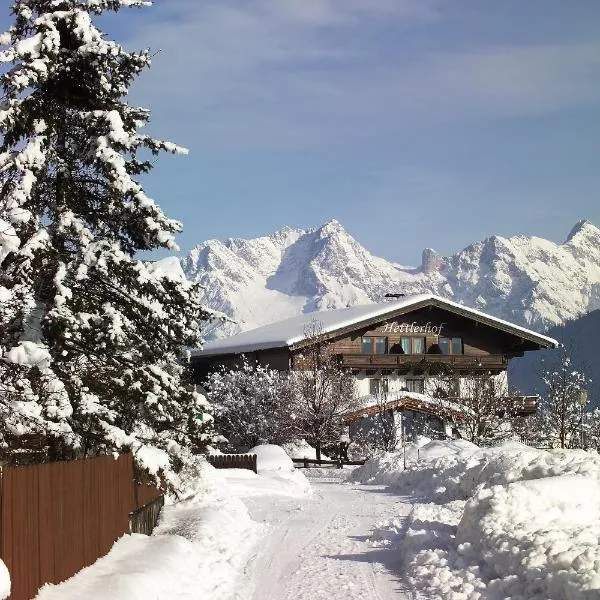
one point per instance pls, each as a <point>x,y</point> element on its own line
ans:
<point>146,489</point>
<point>57,518</point>
<point>233,461</point>
<point>145,518</point>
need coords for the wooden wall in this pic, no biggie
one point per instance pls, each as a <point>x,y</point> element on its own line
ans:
<point>478,339</point>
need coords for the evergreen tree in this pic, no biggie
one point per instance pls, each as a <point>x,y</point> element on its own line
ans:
<point>90,335</point>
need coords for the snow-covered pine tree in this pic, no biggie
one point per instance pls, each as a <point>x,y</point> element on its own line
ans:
<point>90,335</point>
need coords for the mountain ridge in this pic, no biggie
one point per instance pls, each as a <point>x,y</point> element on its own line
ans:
<point>529,280</point>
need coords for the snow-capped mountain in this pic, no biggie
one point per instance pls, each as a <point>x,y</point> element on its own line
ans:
<point>528,280</point>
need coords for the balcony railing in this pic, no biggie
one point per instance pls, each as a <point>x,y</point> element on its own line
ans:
<point>424,361</point>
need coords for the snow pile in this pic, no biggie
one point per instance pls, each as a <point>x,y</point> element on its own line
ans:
<point>197,551</point>
<point>542,529</point>
<point>270,457</point>
<point>420,457</point>
<point>455,469</point>
<point>507,522</point>
<point>302,449</point>
<point>275,466</point>
<point>4,581</point>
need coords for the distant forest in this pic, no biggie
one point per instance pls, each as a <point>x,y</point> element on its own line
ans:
<point>582,337</point>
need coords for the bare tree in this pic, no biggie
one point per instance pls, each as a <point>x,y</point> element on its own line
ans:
<point>379,430</point>
<point>488,409</point>
<point>562,411</point>
<point>320,392</point>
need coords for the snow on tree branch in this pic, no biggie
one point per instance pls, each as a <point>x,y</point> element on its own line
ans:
<point>90,336</point>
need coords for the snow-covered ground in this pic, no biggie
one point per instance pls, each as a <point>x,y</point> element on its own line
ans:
<point>459,523</point>
<point>321,547</point>
<point>195,553</point>
<point>266,536</point>
<point>4,581</point>
<point>498,523</point>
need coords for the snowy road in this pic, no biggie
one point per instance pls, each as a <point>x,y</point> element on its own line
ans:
<point>318,547</point>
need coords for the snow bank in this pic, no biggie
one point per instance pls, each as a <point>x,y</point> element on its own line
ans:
<point>270,457</point>
<point>4,581</point>
<point>506,522</point>
<point>537,530</point>
<point>196,551</point>
<point>387,468</point>
<point>277,472</point>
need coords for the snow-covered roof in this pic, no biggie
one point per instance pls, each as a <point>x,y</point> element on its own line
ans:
<point>293,330</point>
<point>439,404</point>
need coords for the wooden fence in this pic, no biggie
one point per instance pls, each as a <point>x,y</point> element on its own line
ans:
<point>144,519</point>
<point>233,461</point>
<point>57,518</point>
<point>339,463</point>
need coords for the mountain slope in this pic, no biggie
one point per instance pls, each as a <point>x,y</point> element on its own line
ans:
<point>528,280</point>
<point>580,337</point>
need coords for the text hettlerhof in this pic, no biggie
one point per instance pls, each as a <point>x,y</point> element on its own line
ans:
<point>413,327</point>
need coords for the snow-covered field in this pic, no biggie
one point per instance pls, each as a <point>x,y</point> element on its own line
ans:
<point>459,523</point>
<point>504,522</point>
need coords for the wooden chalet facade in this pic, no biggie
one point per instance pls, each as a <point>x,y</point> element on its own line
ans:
<point>407,345</point>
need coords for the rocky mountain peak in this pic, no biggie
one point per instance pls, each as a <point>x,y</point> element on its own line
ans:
<point>431,261</point>
<point>528,280</point>
<point>584,231</point>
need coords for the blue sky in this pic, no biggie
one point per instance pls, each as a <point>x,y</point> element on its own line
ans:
<point>415,123</point>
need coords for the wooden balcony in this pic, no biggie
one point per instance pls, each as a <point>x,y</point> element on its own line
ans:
<point>426,363</point>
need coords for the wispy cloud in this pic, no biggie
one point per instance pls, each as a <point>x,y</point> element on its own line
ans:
<point>284,74</point>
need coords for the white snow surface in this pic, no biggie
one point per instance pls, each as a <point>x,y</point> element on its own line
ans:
<point>497,523</point>
<point>4,581</point>
<point>197,551</point>
<point>293,330</point>
<point>167,267</point>
<point>502,523</point>
<point>29,353</point>
<point>530,281</point>
<point>277,470</point>
<point>320,546</point>
<point>270,457</point>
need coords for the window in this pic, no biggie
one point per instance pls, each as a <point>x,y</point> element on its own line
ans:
<point>451,345</point>
<point>378,387</point>
<point>374,345</point>
<point>418,345</point>
<point>367,345</point>
<point>457,345</point>
<point>415,385</point>
<point>412,345</point>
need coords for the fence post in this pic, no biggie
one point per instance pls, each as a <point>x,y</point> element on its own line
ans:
<point>306,462</point>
